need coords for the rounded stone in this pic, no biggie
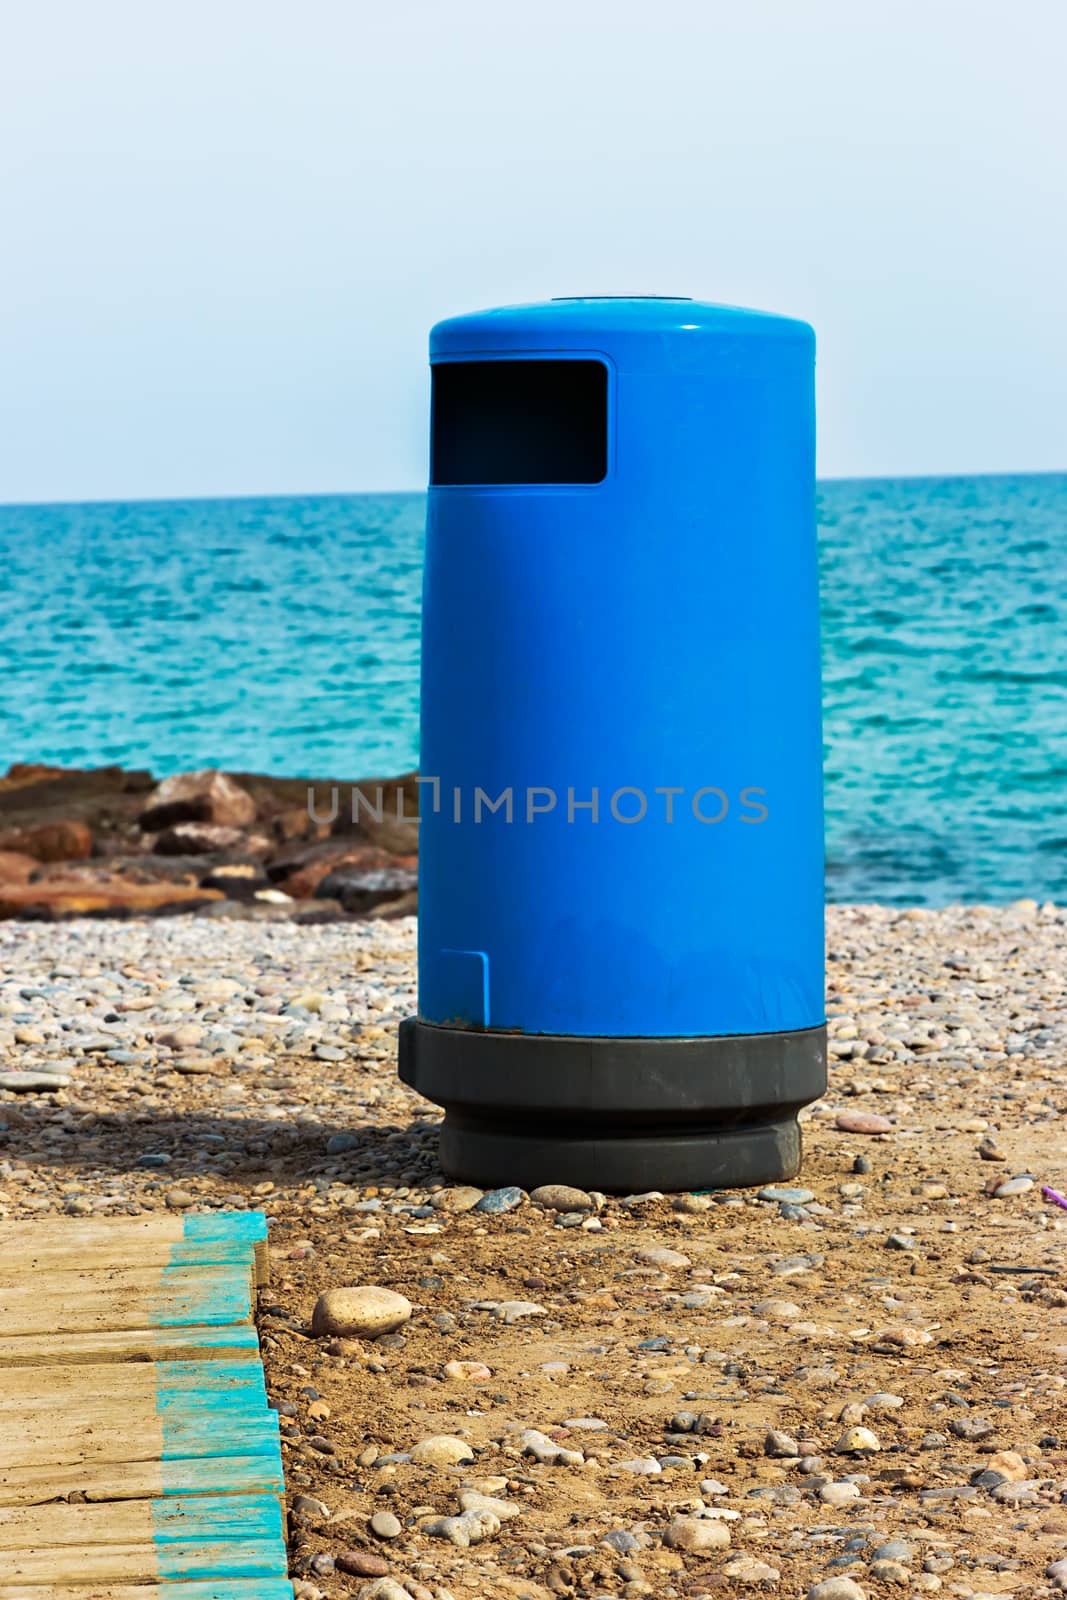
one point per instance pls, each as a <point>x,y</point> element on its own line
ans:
<point>361,1564</point>
<point>890,1571</point>
<point>659,1255</point>
<point>442,1450</point>
<point>34,1082</point>
<point>884,1401</point>
<point>1010,1465</point>
<point>862,1122</point>
<point>621,1541</point>
<point>467,1372</point>
<point>307,1505</point>
<point>895,1550</point>
<point>746,1569</point>
<point>697,1536</point>
<point>498,1201</point>
<point>839,1494</point>
<point>561,1197</point>
<point>389,1589</point>
<point>858,1442</point>
<point>1004,1191</point>
<point>385,1526</point>
<point>363,1313</point>
<point>778,1310</point>
<point>836,1589</point>
<point>457,1200</point>
<point>785,1195</point>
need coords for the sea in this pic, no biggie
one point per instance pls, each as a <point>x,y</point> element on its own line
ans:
<point>282,635</point>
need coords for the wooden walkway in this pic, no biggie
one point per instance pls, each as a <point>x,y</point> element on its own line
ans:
<point>138,1457</point>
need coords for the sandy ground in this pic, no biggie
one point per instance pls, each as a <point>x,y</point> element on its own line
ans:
<point>698,1396</point>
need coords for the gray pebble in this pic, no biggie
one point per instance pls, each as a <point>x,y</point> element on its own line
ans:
<point>786,1196</point>
<point>1003,1191</point>
<point>500,1200</point>
<point>34,1082</point>
<point>894,1550</point>
<point>622,1541</point>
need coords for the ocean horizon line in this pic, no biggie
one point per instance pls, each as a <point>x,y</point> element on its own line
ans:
<point>378,494</point>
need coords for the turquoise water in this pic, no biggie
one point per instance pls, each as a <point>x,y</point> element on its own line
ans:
<point>281,636</point>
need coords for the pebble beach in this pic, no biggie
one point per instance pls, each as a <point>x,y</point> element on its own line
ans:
<point>852,1385</point>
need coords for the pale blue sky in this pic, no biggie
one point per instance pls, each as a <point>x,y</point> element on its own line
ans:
<point>227,226</point>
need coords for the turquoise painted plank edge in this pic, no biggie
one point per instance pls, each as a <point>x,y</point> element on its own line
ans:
<point>175,1377</point>
<point>182,1407</point>
<point>244,1559</point>
<point>219,1431</point>
<point>186,1296</point>
<point>247,1226</point>
<point>206,1519</point>
<point>272,1589</point>
<point>210,1253</point>
<point>233,1336</point>
<point>244,1474</point>
<point>216,1422</point>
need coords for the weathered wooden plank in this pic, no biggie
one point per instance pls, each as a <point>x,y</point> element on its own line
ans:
<point>36,1389</point>
<point>82,1302</point>
<point>248,1225</point>
<point>176,1411</point>
<point>213,1589</point>
<point>119,1431</point>
<point>145,1563</point>
<point>145,1254</point>
<point>232,1342</point>
<point>153,1231</point>
<point>192,1520</point>
<point>131,1382</point>
<point>141,1480</point>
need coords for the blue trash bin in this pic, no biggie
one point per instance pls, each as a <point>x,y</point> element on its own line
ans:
<point>621,843</point>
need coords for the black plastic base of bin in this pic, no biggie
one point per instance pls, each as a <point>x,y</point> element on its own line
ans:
<point>621,1115</point>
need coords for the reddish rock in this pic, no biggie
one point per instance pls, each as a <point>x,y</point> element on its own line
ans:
<point>51,841</point>
<point>361,1564</point>
<point>54,900</point>
<point>302,883</point>
<point>205,796</point>
<point>300,873</point>
<point>862,1122</point>
<point>31,771</point>
<point>15,867</point>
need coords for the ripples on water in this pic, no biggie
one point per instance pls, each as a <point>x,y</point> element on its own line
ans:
<point>281,635</point>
